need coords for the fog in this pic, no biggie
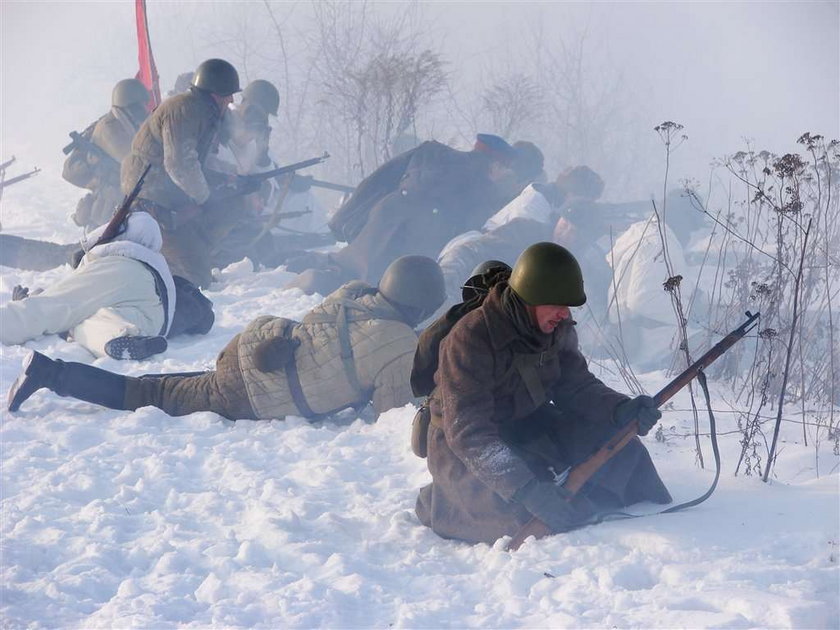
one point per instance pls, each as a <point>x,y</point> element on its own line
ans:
<point>726,71</point>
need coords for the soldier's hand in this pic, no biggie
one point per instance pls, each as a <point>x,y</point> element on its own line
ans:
<point>641,408</point>
<point>76,257</point>
<point>246,185</point>
<point>549,503</point>
<point>19,293</point>
<point>301,183</point>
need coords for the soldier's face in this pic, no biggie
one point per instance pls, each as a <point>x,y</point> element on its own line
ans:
<point>548,316</point>
<point>223,101</point>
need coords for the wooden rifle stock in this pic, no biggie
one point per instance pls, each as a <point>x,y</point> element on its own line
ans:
<point>580,473</point>
<point>113,228</point>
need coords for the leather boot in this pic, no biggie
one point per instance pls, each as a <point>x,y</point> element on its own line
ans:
<point>136,348</point>
<point>76,380</point>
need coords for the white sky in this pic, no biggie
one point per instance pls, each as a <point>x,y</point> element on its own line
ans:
<point>726,70</point>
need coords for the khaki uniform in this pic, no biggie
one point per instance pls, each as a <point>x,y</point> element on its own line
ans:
<point>175,140</point>
<point>493,429</point>
<point>113,134</point>
<point>352,349</point>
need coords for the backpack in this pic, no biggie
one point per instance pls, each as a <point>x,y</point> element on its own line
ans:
<point>193,310</point>
<point>427,356</point>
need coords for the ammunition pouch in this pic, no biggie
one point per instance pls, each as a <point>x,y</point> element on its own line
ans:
<point>420,430</point>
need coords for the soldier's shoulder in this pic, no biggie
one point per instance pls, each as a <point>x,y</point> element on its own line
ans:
<point>108,124</point>
<point>185,104</point>
<point>471,328</point>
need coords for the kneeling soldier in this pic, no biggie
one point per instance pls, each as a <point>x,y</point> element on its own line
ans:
<point>354,348</point>
<point>514,404</point>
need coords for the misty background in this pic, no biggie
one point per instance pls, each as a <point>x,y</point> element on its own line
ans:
<point>587,82</point>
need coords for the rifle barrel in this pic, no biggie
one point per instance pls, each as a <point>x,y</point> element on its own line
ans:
<point>320,183</point>
<point>677,383</point>
<point>18,178</point>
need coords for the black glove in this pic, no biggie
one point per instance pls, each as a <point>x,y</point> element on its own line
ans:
<point>273,354</point>
<point>19,293</point>
<point>246,185</point>
<point>547,502</point>
<point>641,408</point>
<point>300,183</point>
<point>76,258</point>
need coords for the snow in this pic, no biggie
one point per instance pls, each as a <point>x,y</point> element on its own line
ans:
<point>138,520</point>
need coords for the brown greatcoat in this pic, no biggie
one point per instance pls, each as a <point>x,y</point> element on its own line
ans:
<point>175,140</point>
<point>440,192</point>
<point>491,433</point>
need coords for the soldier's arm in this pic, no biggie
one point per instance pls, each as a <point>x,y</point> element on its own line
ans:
<point>391,386</point>
<point>78,171</point>
<point>465,389</point>
<point>579,393</point>
<point>180,156</point>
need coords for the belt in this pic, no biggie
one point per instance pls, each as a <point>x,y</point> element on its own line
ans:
<point>162,293</point>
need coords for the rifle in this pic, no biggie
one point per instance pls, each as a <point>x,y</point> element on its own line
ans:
<point>320,183</point>
<point>80,141</point>
<point>18,178</point>
<point>574,477</point>
<point>113,228</point>
<point>246,184</point>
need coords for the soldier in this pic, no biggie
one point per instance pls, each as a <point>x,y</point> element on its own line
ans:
<point>636,298</point>
<point>588,225</point>
<point>94,162</point>
<point>527,219</point>
<point>119,302</point>
<point>262,94</point>
<point>176,140</point>
<point>356,347</point>
<point>414,204</point>
<point>243,150</point>
<point>515,402</point>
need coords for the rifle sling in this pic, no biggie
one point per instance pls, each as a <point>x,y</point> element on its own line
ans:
<point>296,390</point>
<point>616,516</point>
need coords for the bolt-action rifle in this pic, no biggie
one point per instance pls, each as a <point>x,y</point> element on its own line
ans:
<point>574,477</point>
<point>320,183</point>
<point>226,186</point>
<point>18,178</point>
<point>115,224</point>
<point>80,141</point>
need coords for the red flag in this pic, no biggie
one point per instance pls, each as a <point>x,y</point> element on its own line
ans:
<point>148,74</point>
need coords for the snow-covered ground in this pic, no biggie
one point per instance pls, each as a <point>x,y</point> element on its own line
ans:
<point>137,520</point>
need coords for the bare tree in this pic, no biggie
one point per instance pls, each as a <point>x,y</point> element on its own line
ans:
<point>376,79</point>
<point>514,105</point>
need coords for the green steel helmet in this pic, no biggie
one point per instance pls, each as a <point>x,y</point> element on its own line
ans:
<point>547,273</point>
<point>129,92</point>
<point>216,76</point>
<point>264,94</point>
<point>415,282</point>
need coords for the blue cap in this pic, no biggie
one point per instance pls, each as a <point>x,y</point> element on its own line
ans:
<point>494,145</point>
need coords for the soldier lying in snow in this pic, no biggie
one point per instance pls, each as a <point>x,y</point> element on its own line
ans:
<point>356,347</point>
<point>414,204</point>
<point>119,301</point>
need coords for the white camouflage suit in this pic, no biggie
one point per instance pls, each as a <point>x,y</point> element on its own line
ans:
<point>111,294</point>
